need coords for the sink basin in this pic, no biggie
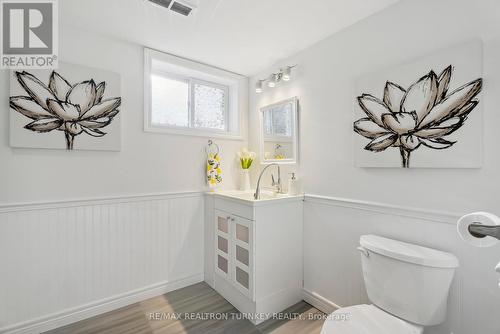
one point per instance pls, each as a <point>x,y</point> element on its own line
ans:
<point>265,195</point>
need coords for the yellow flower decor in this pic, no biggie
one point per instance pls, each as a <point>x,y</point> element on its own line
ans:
<point>246,158</point>
<point>279,157</point>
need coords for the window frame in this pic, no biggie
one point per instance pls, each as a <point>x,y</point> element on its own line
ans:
<point>191,72</point>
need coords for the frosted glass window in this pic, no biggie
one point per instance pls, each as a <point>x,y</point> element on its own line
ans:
<point>242,277</point>
<point>242,255</point>
<point>209,106</point>
<point>188,103</point>
<point>169,101</point>
<point>242,233</point>
<point>222,244</point>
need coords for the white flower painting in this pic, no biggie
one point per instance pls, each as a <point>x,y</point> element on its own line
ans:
<point>422,123</point>
<point>72,107</point>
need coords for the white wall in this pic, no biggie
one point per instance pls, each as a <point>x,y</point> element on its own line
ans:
<point>60,265</point>
<point>324,83</point>
<point>148,162</point>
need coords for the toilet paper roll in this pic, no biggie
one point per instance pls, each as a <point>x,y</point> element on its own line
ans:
<point>483,218</point>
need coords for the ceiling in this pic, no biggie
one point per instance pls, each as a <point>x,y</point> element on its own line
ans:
<point>238,35</point>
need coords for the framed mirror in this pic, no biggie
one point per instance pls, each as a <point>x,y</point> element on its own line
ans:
<point>279,132</point>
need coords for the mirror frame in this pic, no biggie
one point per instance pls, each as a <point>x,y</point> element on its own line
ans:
<point>295,119</point>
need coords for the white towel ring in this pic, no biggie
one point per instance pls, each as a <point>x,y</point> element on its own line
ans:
<point>211,146</point>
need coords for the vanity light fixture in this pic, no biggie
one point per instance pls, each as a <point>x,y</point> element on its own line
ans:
<point>284,74</point>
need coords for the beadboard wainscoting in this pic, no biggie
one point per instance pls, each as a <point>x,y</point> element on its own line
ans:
<point>332,264</point>
<point>66,261</point>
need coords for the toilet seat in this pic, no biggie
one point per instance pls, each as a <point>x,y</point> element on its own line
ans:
<point>367,319</point>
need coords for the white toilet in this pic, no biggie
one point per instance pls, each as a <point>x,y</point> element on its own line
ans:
<point>407,284</point>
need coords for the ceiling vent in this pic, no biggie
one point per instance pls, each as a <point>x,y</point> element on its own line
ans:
<point>180,7</point>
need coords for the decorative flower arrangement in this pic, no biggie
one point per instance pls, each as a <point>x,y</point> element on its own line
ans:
<point>246,158</point>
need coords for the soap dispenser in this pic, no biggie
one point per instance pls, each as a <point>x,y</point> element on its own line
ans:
<point>293,185</point>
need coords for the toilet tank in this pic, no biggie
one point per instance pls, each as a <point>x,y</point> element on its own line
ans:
<point>406,280</point>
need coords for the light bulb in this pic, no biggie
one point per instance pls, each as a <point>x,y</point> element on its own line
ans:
<point>271,82</point>
<point>287,72</point>
<point>258,87</point>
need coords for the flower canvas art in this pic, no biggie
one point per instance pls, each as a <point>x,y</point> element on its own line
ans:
<point>72,107</point>
<point>425,114</point>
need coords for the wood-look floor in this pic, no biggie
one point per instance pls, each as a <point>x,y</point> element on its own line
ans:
<point>199,299</point>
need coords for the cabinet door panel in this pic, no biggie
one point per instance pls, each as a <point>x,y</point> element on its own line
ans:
<point>242,250</point>
<point>223,244</point>
<point>234,251</point>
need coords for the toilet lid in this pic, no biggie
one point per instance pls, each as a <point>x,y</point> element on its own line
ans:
<point>366,319</point>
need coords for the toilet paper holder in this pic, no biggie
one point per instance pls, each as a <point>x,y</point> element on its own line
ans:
<point>479,230</point>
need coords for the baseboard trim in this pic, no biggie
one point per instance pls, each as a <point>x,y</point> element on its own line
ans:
<point>383,208</point>
<point>83,312</point>
<point>319,302</point>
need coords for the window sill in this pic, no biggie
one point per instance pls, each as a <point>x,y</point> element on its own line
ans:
<point>193,132</point>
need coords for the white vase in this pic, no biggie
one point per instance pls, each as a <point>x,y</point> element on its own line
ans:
<point>245,180</point>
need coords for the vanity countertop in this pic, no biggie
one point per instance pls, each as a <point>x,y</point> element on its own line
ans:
<point>247,197</point>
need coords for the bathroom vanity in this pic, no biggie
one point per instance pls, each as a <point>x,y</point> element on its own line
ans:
<point>257,251</point>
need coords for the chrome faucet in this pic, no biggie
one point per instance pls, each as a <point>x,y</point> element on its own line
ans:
<point>276,184</point>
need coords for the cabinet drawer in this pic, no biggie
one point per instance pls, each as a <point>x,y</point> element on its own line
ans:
<point>234,208</point>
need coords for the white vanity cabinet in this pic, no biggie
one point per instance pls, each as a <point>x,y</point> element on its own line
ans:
<point>257,247</point>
